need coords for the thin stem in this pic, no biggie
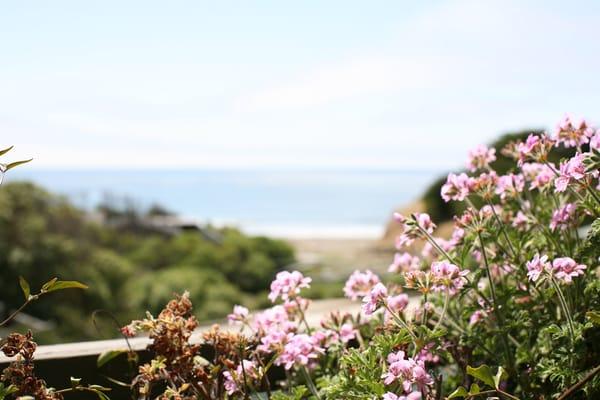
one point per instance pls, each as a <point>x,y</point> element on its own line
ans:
<point>579,385</point>
<point>509,358</point>
<point>400,321</point>
<point>431,240</point>
<point>310,383</point>
<point>17,311</point>
<point>444,309</point>
<point>503,230</point>
<point>565,308</point>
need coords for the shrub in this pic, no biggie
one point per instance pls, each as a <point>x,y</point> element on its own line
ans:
<point>508,307</point>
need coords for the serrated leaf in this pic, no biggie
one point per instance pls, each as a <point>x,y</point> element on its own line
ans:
<point>108,355</point>
<point>483,373</point>
<point>459,392</point>
<point>17,163</point>
<point>25,287</point>
<point>500,376</point>
<point>61,285</point>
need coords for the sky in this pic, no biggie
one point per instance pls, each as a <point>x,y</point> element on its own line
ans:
<point>309,84</point>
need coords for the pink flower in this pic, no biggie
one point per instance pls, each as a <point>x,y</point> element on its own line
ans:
<point>476,317</point>
<point>239,314</point>
<point>374,299</point>
<point>300,349</point>
<point>274,318</point>
<point>347,332</point>
<point>457,187</point>
<point>407,372</point>
<point>485,184</point>
<point>510,185</point>
<point>536,266</point>
<point>288,284</point>
<point>457,236</point>
<point>234,380</point>
<point>359,284</point>
<point>595,141</point>
<point>129,330</point>
<point>572,170</point>
<point>413,228</point>
<point>540,175</point>
<point>520,221</point>
<point>410,396</point>
<point>565,269</point>
<point>573,134</point>
<point>447,276</point>
<point>398,303</point>
<point>564,217</point>
<point>480,157</point>
<point>404,262</point>
<point>534,148</point>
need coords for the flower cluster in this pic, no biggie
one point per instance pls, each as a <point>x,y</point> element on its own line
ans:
<point>288,285</point>
<point>407,372</point>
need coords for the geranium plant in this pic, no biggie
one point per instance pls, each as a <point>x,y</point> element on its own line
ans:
<point>507,306</point>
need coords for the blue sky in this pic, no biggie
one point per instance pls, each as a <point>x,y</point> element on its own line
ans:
<point>380,84</point>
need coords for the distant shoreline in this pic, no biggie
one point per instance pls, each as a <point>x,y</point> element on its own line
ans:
<point>324,232</point>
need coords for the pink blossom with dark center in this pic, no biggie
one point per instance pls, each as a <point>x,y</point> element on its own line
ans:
<point>565,269</point>
<point>573,134</point>
<point>447,276</point>
<point>572,170</point>
<point>457,187</point>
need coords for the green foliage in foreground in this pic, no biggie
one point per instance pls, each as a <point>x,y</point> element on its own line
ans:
<point>128,270</point>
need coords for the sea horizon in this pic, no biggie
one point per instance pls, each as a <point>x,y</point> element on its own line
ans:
<point>291,203</point>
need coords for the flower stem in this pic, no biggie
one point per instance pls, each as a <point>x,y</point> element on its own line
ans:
<point>443,315</point>
<point>310,383</point>
<point>565,308</point>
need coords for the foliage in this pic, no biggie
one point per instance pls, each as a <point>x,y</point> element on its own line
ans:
<point>128,269</point>
<point>508,307</point>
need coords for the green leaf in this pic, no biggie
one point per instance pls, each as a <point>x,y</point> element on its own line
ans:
<point>474,389</point>
<point>459,392</point>
<point>108,355</point>
<point>61,285</point>
<point>500,376</point>
<point>593,316</point>
<point>483,373</point>
<point>47,284</point>
<point>3,152</point>
<point>17,163</point>
<point>25,287</point>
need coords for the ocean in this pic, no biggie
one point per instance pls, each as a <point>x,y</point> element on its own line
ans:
<point>280,203</point>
